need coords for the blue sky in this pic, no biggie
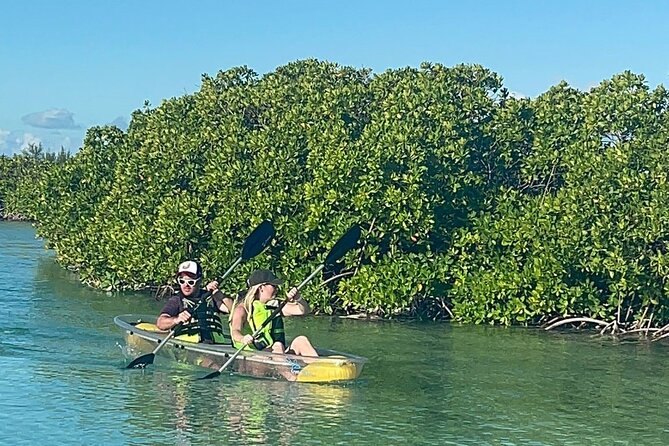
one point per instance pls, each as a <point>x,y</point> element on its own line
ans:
<point>69,65</point>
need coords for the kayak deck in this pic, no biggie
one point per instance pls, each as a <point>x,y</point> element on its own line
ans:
<point>142,336</point>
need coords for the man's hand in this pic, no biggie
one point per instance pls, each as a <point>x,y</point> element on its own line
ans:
<point>212,286</point>
<point>182,317</point>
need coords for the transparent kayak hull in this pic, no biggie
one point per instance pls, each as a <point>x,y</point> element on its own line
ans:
<point>142,336</point>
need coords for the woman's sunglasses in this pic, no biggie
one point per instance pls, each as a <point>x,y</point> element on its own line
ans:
<point>275,288</point>
<point>189,282</point>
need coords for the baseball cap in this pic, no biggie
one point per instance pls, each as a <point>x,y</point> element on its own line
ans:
<point>190,267</point>
<point>261,276</point>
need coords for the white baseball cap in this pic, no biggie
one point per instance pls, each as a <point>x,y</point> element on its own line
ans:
<point>191,268</point>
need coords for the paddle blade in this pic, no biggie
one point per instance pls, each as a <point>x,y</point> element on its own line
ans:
<point>141,361</point>
<point>211,375</point>
<point>258,240</point>
<point>347,242</point>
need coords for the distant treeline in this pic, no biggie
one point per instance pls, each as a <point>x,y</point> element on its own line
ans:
<point>18,176</point>
<point>475,205</point>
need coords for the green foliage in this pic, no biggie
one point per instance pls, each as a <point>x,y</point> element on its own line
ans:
<point>473,203</point>
<point>18,176</point>
<point>586,231</point>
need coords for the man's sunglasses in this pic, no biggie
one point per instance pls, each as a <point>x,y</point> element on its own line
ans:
<point>189,282</point>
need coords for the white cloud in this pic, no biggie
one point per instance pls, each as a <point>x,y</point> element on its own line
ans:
<point>54,118</point>
<point>27,139</point>
<point>10,142</point>
<point>4,134</point>
<point>66,143</point>
<point>53,141</point>
<point>13,142</point>
<point>517,95</point>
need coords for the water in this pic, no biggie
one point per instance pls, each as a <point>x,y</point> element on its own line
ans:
<point>63,381</point>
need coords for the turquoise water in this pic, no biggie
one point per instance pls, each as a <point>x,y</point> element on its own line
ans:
<point>63,380</point>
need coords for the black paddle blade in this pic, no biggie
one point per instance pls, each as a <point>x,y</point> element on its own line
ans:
<point>258,240</point>
<point>211,375</point>
<point>347,242</point>
<point>141,361</point>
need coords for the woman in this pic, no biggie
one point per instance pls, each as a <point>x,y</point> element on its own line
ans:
<point>256,307</point>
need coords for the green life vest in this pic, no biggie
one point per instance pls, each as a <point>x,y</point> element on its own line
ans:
<point>205,325</point>
<point>271,333</point>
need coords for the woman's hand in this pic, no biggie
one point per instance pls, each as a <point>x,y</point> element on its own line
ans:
<point>247,340</point>
<point>293,295</point>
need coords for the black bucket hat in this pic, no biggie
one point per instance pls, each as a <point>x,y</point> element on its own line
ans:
<point>260,276</point>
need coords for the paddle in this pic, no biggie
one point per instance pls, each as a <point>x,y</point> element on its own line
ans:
<point>254,244</point>
<point>347,242</point>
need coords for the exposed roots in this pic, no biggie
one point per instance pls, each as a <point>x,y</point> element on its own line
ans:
<point>361,316</point>
<point>9,216</point>
<point>641,328</point>
<point>573,320</point>
<point>435,308</point>
<point>163,291</point>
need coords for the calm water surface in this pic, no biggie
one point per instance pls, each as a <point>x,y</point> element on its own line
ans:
<point>63,381</point>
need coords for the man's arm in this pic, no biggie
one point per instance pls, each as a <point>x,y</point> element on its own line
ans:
<point>169,316</point>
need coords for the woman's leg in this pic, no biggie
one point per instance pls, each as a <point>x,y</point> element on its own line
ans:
<point>301,346</point>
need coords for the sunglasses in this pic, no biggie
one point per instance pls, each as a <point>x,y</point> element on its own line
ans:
<point>275,288</point>
<point>189,282</point>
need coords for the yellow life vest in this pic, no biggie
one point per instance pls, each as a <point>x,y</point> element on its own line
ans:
<point>271,333</point>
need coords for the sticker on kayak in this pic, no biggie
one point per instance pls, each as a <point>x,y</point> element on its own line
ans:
<point>294,366</point>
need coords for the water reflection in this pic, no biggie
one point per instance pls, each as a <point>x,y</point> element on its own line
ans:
<point>275,412</point>
<point>171,402</point>
<point>65,298</point>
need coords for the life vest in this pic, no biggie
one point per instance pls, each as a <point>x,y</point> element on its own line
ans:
<point>205,324</point>
<point>271,333</point>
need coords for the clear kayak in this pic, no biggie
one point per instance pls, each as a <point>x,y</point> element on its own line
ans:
<point>142,336</point>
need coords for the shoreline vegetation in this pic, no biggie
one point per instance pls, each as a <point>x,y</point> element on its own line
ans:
<point>476,206</point>
<point>12,217</point>
<point>21,172</point>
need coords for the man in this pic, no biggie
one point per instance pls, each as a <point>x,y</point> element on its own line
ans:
<point>197,310</point>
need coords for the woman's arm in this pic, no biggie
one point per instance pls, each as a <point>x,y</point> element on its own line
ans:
<point>237,324</point>
<point>296,306</point>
